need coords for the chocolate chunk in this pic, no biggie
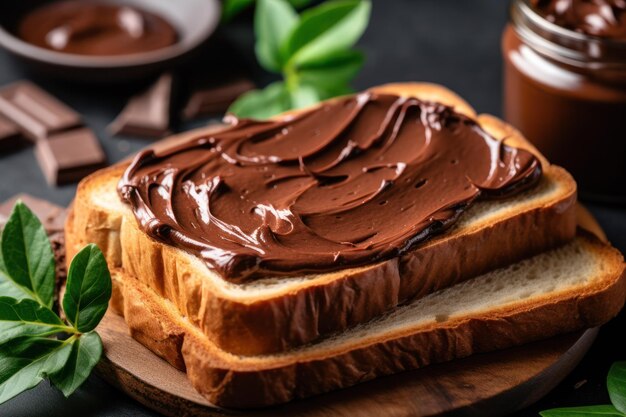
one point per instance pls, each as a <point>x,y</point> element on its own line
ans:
<point>57,241</point>
<point>147,114</point>
<point>52,216</point>
<point>214,99</point>
<point>66,151</point>
<point>10,136</point>
<point>69,156</point>
<point>36,113</point>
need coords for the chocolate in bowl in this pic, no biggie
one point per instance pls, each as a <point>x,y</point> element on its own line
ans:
<point>193,20</point>
<point>96,28</point>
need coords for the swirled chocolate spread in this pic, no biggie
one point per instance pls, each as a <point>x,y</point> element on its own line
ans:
<point>352,182</point>
<point>91,28</point>
<point>605,18</point>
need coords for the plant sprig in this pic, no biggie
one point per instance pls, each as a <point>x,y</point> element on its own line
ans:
<point>616,385</point>
<point>312,51</point>
<point>35,343</point>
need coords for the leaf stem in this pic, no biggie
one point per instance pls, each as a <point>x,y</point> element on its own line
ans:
<point>69,329</point>
<point>60,329</point>
<point>292,80</point>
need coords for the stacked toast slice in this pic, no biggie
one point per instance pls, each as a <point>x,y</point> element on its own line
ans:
<point>508,272</point>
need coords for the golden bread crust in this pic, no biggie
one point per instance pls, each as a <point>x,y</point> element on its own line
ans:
<point>231,381</point>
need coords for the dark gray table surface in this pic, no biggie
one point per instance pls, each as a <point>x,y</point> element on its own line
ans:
<point>455,43</point>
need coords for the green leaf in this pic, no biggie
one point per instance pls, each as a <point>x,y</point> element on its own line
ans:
<point>231,8</point>
<point>10,289</point>
<point>340,90</point>
<point>2,268</point>
<point>298,4</point>
<point>24,362</point>
<point>304,96</point>
<point>261,104</point>
<point>326,29</point>
<point>27,254</point>
<point>273,22</point>
<point>26,318</point>
<point>88,289</point>
<point>7,287</point>
<point>86,352</point>
<point>333,70</point>
<point>616,384</point>
<point>594,410</point>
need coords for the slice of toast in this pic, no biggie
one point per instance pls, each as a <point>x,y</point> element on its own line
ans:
<point>272,315</point>
<point>579,285</point>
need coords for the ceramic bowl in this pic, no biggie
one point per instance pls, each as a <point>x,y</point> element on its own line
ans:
<point>195,21</point>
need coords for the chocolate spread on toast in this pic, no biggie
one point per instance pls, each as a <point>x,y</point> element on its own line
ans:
<point>352,182</point>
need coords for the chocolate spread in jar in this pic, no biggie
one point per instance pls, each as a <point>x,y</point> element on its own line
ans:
<point>565,90</point>
<point>352,182</point>
<point>91,28</point>
<point>605,18</point>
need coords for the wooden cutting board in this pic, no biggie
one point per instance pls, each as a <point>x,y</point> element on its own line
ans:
<point>488,384</point>
<point>481,385</point>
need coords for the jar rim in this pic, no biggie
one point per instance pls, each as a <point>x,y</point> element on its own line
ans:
<point>538,19</point>
<point>563,44</point>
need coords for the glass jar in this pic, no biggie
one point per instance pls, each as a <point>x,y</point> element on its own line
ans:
<point>566,92</point>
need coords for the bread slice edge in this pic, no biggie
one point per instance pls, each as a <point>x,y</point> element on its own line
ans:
<point>364,353</point>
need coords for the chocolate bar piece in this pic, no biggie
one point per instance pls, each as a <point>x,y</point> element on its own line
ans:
<point>215,99</point>
<point>147,114</point>
<point>10,136</point>
<point>65,150</point>
<point>52,216</point>
<point>69,156</point>
<point>36,113</point>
